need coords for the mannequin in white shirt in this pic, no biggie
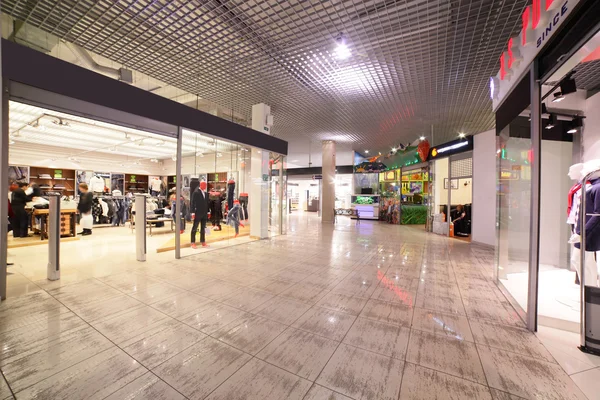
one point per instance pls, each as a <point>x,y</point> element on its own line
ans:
<point>155,186</point>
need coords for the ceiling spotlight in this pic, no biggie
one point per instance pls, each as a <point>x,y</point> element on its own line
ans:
<point>462,135</point>
<point>129,137</point>
<point>367,151</point>
<point>552,122</point>
<point>219,155</point>
<point>61,122</point>
<point>422,138</point>
<point>558,96</point>
<point>342,51</point>
<point>575,125</point>
<point>16,134</point>
<point>154,160</point>
<point>10,141</point>
<point>393,149</point>
<point>174,158</point>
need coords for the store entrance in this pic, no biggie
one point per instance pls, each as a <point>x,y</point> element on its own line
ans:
<point>570,114</point>
<point>77,158</point>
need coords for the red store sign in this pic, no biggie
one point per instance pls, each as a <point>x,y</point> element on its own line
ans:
<point>539,22</point>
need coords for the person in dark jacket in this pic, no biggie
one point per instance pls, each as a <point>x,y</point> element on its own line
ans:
<point>17,203</point>
<point>84,207</point>
<point>199,208</point>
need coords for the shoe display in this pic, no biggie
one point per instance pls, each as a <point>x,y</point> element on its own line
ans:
<point>205,245</point>
<point>194,246</point>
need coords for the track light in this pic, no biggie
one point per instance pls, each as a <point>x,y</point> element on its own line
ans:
<point>575,125</point>
<point>568,85</point>
<point>462,135</point>
<point>552,122</point>
<point>558,96</point>
<point>129,137</point>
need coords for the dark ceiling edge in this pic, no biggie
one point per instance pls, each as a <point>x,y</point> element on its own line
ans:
<point>33,68</point>
<point>341,169</point>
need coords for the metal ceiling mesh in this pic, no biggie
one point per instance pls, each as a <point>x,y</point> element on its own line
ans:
<point>587,75</point>
<point>414,63</point>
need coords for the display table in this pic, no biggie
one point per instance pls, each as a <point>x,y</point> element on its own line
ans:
<point>366,206</point>
<point>68,222</point>
<point>413,214</point>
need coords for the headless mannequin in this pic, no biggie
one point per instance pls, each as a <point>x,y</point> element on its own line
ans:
<point>578,172</point>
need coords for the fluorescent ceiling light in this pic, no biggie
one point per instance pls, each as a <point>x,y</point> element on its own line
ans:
<point>367,151</point>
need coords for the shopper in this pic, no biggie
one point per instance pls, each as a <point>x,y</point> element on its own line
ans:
<point>84,207</point>
<point>18,202</point>
<point>199,206</point>
<point>233,217</point>
<point>459,219</point>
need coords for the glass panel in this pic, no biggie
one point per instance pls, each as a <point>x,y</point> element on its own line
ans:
<point>514,205</point>
<point>441,184</point>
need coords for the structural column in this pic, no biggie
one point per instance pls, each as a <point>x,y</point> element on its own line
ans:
<point>258,201</point>
<point>328,182</point>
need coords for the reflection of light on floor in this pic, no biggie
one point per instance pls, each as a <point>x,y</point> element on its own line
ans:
<point>445,327</point>
<point>402,294</point>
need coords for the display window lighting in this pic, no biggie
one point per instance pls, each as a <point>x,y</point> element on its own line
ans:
<point>575,125</point>
<point>552,122</point>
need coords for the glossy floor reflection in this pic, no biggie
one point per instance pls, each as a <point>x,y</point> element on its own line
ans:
<point>326,312</point>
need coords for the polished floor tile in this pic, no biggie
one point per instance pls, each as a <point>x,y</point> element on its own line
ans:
<point>95,378</point>
<point>361,374</point>
<point>343,303</point>
<point>420,383</point>
<point>282,310</point>
<point>510,338</point>
<point>392,313</point>
<point>250,334</point>
<point>453,325</point>
<point>201,368</point>
<point>258,380</point>
<point>45,357</point>
<point>445,354</point>
<point>161,342</point>
<point>321,321</point>
<point>527,377</point>
<point>182,304</point>
<point>106,308</point>
<point>318,392</point>
<point>147,386</point>
<point>299,352</point>
<point>336,312</point>
<point>379,337</point>
<point>213,317</point>
<point>247,299</point>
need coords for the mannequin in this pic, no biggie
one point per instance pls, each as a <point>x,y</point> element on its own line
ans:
<point>230,193</point>
<point>592,222</point>
<point>199,206</point>
<point>155,186</point>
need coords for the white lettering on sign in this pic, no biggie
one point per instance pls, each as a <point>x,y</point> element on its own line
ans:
<point>452,147</point>
<point>539,22</point>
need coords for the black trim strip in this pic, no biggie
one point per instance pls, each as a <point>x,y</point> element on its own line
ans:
<point>342,169</point>
<point>33,68</point>
<point>517,101</point>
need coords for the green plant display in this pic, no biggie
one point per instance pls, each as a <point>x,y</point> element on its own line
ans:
<point>364,200</point>
<point>413,215</point>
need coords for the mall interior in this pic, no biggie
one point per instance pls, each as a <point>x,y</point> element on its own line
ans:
<point>300,200</point>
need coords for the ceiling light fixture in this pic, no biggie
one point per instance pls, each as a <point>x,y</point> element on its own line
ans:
<point>342,51</point>
<point>10,141</point>
<point>367,151</point>
<point>219,155</point>
<point>575,125</point>
<point>129,137</point>
<point>558,96</point>
<point>462,135</point>
<point>422,138</point>
<point>154,160</point>
<point>174,158</point>
<point>199,154</point>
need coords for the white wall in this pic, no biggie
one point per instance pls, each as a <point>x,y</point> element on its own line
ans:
<point>555,185</point>
<point>441,195</point>
<point>464,194</point>
<point>591,130</point>
<point>483,220</point>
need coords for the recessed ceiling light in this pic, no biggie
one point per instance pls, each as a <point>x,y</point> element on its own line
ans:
<point>342,51</point>
<point>367,151</point>
<point>422,138</point>
<point>462,135</point>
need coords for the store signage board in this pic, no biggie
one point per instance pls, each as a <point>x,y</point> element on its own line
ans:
<point>315,177</point>
<point>450,148</point>
<point>539,22</point>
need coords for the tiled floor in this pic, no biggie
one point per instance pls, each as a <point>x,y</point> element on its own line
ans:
<point>347,312</point>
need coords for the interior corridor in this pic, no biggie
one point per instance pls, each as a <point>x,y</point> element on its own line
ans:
<point>369,311</point>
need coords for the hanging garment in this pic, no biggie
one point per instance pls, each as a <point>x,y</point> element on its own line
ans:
<point>215,205</point>
<point>96,184</point>
<point>592,218</point>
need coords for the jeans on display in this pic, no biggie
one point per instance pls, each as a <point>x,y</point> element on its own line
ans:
<point>244,204</point>
<point>154,193</point>
<point>202,222</point>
